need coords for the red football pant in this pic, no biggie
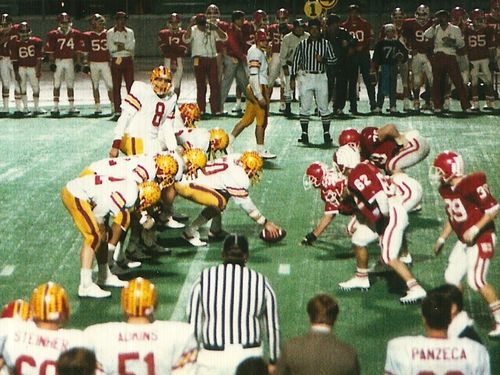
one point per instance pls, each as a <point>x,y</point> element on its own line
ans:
<point>125,69</point>
<point>442,64</point>
<point>206,68</point>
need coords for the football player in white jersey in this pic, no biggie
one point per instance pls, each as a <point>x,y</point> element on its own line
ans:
<point>32,347</point>
<point>257,93</point>
<point>221,179</point>
<point>143,127</point>
<point>89,200</point>
<point>142,345</point>
<point>435,353</point>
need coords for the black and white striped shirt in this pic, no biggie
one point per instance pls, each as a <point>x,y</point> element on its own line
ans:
<point>229,303</point>
<point>304,57</point>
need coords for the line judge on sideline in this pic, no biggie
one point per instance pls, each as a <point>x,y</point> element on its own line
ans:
<point>228,305</point>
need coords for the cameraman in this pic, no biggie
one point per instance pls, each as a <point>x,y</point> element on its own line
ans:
<point>203,35</point>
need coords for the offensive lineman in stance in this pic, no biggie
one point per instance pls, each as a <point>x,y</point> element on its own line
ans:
<point>257,105</point>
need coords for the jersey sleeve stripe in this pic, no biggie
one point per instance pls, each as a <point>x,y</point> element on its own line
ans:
<point>142,172</point>
<point>135,98</point>
<point>118,199</point>
<point>133,102</point>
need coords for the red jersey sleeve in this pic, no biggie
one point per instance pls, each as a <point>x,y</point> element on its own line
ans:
<point>50,42</point>
<point>475,189</point>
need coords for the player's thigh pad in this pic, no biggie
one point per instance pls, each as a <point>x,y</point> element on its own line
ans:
<point>363,235</point>
<point>392,238</point>
<point>457,264</point>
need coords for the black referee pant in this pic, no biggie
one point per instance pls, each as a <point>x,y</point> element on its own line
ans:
<point>360,62</point>
<point>337,86</point>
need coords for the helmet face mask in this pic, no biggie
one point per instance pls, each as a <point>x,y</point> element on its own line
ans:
<point>190,112</point>
<point>49,304</point>
<point>139,299</point>
<point>194,159</point>
<point>174,21</point>
<point>253,164</point>
<point>398,15</point>
<point>98,22</point>
<point>351,137</point>
<point>446,166</point>
<point>166,169</point>
<point>24,31</point>
<point>422,14</point>
<point>161,80</point>
<point>314,175</point>
<point>149,194</point>
<point>219,140</point>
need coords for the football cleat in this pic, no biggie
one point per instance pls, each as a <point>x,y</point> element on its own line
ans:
<point>267,155</point>
<point>193,238</point>
<point>406,259</point>
<point>49,303</point>
<point>190,112</point>
<point>112,281</point>
<point>219,140</point>
<point>161,80</point>
<point>174,224</point>
<point>139,298</point>
<point>194,159</point>
<point>355,282</point>
<point>314,175</point>
<point>17,309</point>
<point>446,165</point>
<point>149,194</point>
<point>166,169</point>
<point>414,295</point>
<point>217,236</point>
<point>252,163</point>
<point>92,291</point>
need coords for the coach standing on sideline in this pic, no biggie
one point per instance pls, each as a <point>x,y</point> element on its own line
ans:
<point>447,40</point>
<point>309,63</point>
<point>203,35</point>
<point>228,304</point>
<point>121,45</point>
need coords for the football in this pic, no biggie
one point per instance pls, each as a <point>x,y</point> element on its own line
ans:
<point>266,237</point>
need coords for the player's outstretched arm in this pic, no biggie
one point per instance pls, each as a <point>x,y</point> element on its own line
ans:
<point>310,237</point>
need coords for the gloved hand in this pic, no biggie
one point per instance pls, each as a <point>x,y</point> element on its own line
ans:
<point>309,239</point>
<point>53,67</point>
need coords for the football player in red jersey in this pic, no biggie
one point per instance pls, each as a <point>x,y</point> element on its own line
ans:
<point>471,211</point>
<point>479,39</point>
<point>8,32</point>
<point>97,59</point>
<point>26,54</point>
<point>360,29</point>
<point>173,49</point>
<point>276,33</point>
<point>64,46</point>
<point>493,21</point>
<point>385,216</point>
<point>420,50</point>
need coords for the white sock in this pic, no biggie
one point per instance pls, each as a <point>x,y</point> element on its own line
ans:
<point>24,98</point>
<point>98,107</point>
<point>71,104</point>
<point>238,102</point>
<point>85,276</point>
<point>260,148</point>
<point>231,139</point>
<point>36,101</point>
<point>411,283</point>
<point>6,103</point>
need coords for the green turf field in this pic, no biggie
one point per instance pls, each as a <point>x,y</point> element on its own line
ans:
<point>38,241</point>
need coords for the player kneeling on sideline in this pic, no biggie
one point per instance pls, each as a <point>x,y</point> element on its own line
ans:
<point>221,179</point>
<point>471,211</point>
<point>33,346</point>
<point>436,353</point>
<point>153,346</point>
<point>382,210</point>
<point>89,200</point>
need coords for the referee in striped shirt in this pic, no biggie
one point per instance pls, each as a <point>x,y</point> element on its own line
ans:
<point>228,306</point>
<point>309,68</point>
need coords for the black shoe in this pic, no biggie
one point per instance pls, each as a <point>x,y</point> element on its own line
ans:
<point>354,112</point>
<point>327,138</point>
<point>137,255</point>
<point>217,236</point>
<point>116,116</point>
<point>178,216</point>
<point>156,250</point>
<point>304,138</point>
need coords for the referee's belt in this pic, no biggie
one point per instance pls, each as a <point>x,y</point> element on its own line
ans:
<point>221,348</point>
<point>314,72</point>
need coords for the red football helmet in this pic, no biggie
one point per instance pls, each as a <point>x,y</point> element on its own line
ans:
<point>398,14</point>
<point>212,12</point>
<point>19,309</point>
<point>446,166</point>
<point>281,13</point>
<point>5,20</point>
<point>422,14</point>
<point>314,175</point>
<point>260,17</point>
<point>495,5</point>
<point>478,17</point>
<point>346,157</point>
<point>261,38</point>
<point>174,18</point>
<point>63,18</point>
<point>458,15</point>
<point>97,20</point>
<point>24,30</point>
<point>49,303</point>
<point>349,136</point>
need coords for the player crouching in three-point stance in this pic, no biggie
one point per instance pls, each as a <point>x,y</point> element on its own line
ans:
<point>471,211</point>
<point>141,344</point>
<point>33,346</point>
<point>257,105</point>
<point>382,211</point>
<point>221,179</point>
<point>90,200</point>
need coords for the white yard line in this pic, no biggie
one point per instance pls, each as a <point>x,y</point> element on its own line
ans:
<point>197,265</point>
<point>7,270</point>
<point>11,174</point>
<point>284,269</point>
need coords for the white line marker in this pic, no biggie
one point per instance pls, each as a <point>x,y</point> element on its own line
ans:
<point>11,174</point>
<point>284,269</point>
<point>197,265</point>
<point>7,271</point>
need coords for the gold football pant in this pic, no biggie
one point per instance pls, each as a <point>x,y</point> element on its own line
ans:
<point>201,194</point>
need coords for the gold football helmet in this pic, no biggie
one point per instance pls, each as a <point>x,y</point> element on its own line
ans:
<point>161,80</point>
<point>49,303</point>
<point>149,194</point>
<point>139,298</point>
<point>194,159</point>
<point>190,112</point>
<point>18,309</point>
<point>252,164</point>
<point>219,140</point>
<point>166,169</point>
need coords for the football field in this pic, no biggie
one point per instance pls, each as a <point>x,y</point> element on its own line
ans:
<point>38,241</point>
